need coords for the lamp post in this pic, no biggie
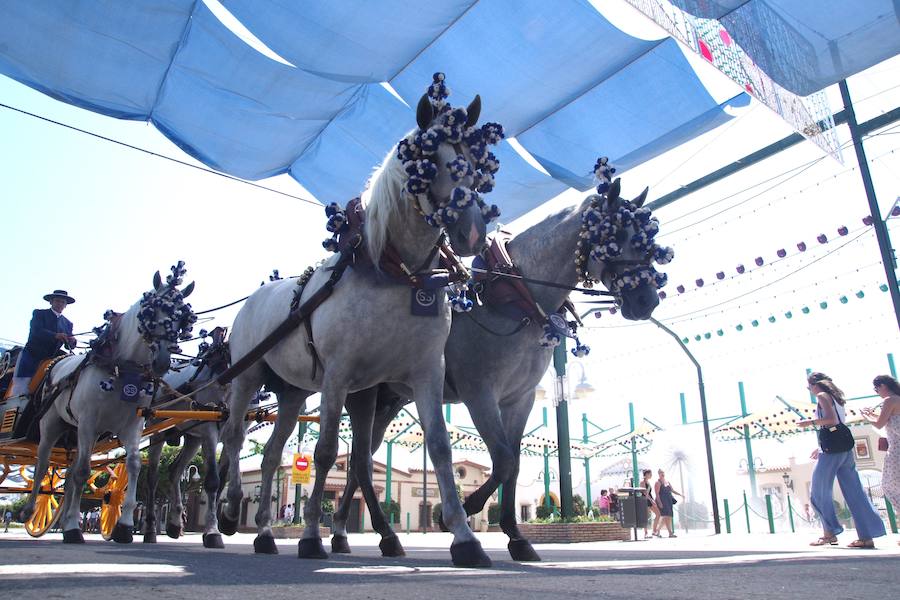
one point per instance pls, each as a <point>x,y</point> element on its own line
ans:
<point>190,477</point>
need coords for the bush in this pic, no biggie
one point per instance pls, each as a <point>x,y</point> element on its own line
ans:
<point>327,506</point>
<point>494,514</point>
<point>391,509</point>
<point>436,513</point>
<point>578,505</point>
<point>543,511</point>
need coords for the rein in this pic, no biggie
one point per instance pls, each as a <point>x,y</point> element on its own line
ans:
<point>562,286</point>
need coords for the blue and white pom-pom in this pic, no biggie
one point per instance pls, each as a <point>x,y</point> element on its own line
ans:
<point>107,385</point>
<point>550,339</point>
<point>461,303</point>
<point>337,224</point>
<point>148,389</point>
<point>580,350</point>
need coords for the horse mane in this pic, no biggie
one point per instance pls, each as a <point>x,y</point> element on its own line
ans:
<point>127,330</point>
<point>382,201</point>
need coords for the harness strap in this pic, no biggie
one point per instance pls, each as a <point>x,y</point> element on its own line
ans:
<point>290,323</point>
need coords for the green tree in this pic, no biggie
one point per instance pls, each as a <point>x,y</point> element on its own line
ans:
<point>391,509</point>
<point>493,514</point>
<point>578,505</point>
<point>169,454</point>
<point>543,511</point>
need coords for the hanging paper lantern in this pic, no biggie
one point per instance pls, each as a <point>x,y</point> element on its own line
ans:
<point>740,269</point>
<point>662,294</point>
<point>771,319</point>
<point>613,310</point>
<point>822,238</point>
<point>720,275</point>
<point>842,230</point>
<point>680,289</point>
<point>843,299</point>
<point>719,332</point>
<point>685,340</point>
<point>788,315</point>
<point>739,327</point>
<point>883,287</point>
<point>699,283</point>
<point>801,246</point>
<point>755,323</point>
<point>860,294</point>
<point>823,305</point>
<point>759,261</point>
<point>895,212</point>
<point>698,338</point>
<point>805,310</point>
<point>707,335</point>
<point>781,253</point>
<point>598,314</point>
<point>867,220</point>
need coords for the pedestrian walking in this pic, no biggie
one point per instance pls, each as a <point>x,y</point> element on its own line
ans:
<point>7,519</point>
<point>665,503</point>
<point>652,509</point>
<point>888,419</point>
<point>836,462</point>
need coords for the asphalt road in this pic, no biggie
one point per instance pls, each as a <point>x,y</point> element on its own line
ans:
<point>699,566</point>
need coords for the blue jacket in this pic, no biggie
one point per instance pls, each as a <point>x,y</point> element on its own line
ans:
<point>42,342</point>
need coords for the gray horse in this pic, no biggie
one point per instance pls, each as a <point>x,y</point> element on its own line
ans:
<point>101,391</point>
<point>198,380</point>
<point>364,333</point>
<point>491,339</point>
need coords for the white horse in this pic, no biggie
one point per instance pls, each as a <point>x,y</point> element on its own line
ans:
<point>101,392</point>
<point>365,333</point>
<point>494,362</point>
<point>197,380</point>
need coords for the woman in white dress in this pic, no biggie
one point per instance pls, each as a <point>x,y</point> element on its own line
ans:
<point>889,419</point>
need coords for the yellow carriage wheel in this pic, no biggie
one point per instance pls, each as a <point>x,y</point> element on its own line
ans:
<point>48,506</point>
<point>113,498</point>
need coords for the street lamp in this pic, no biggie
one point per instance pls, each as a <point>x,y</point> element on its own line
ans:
<point>788,482</point>
<point>584,389</point>
<point>540,393</point>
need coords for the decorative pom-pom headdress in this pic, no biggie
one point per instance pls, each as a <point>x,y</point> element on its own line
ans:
<point>601,223</point>
<point>168,306</point>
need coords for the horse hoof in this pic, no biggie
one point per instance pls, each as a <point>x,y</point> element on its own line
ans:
<point>469,554</point>
<point>173,531</point>
<point>340,545</point>
<point>213,540</point>
<point>391,546</point>
<point>150,537</point>
<point>522,551</point>
<point>122,534</point>
<point>73,536</point>
<point>227,525</point>
<point>265,544</point>
<point>311,548</point>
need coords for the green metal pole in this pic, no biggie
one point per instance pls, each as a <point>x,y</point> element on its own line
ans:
<point>769,514</point>
<point>891,365</point>
<point>407,523</point>
<point>547,502</point>
<point>892,517</point>
<point>751,467</point>
<point>727,517</point>
<point>683,409</point>
<point>812,397</point>
<point>634,460</point>
<point>500,493</point>
<point>747,511</point>
<point>362,520</point>
<point>387,475</point>
<point>587,463</point>
<point>562,434</point>
<point>447,413</point>
<point>791,514</point>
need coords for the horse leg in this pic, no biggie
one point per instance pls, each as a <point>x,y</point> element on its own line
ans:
<point>339,543</point>
<point>515,417</point>
<point>290,401</point>
<point>130,437</point>
<point>76,477</point>
<point>233,434</point>
<point>482,405</point>
<point>334,394</point>
<point>175,522</point>
<point>210,439</point>
<point>465,550</point>
<point>52,427</point>
<point>154,453</point>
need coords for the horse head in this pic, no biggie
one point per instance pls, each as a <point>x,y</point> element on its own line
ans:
<point>448,166</point>
<point>617,247</point>
<point>164,318</point>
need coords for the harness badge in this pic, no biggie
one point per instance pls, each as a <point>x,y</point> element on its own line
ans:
<point>424,303</point>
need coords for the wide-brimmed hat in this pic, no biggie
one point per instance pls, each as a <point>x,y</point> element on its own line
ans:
<point>60,294</point>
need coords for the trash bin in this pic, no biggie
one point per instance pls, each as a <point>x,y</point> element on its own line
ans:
<point>634,508</point>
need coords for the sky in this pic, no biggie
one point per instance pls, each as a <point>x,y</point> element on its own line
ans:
<point>97,219</point>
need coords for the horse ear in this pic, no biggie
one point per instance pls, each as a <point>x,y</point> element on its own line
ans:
<point>157,281</point>
<point>473,111</point>
<point>189,288</point>
<point>424,113</point>
<point>639,201</point>
<point>614,189</point>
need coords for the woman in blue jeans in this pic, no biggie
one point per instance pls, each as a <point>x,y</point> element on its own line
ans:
<point>841,465</point>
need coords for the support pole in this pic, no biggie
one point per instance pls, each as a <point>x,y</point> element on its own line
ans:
<point>634,460</point>
<point>769,515</point>
<point>683,409</point>
<point>881,232</point>
<point>298,488</point>
<point>562,434</point>
<point>425,516</point>
<point>747,511</point>
<point>891,366</point>
<point>705,418</point>
<point>892,517</point>
<point>790,513</point>
<point>751,467</point>
<point>727,517</point>
<point>547,501</point>
<point>587,464</point>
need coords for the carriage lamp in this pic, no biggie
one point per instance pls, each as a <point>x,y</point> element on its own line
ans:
<point>540,393</point>
<point>256,491</point>
<point>788,482</point>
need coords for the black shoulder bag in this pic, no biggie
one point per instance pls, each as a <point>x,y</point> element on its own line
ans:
<point>835,438</point>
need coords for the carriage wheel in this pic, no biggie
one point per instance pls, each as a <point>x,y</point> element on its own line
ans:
<point>113,498</point>
<point>48,506</point>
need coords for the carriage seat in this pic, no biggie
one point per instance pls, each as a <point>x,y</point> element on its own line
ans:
<point>18,412</point>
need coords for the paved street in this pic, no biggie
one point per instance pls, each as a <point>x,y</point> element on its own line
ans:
<point>690,566</point>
